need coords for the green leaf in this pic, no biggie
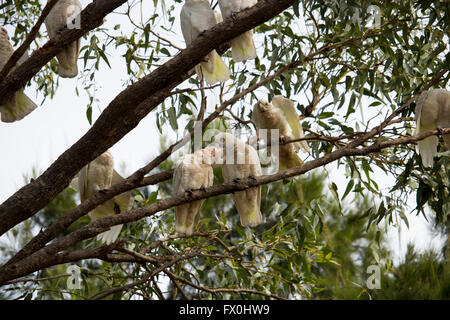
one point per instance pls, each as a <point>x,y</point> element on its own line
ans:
<point>173,118</point>
<point>348,189</point>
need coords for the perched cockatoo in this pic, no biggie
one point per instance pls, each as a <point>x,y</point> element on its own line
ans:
<point>18,105</point>
<point>243,46</point>
<point>100,175</point>
<point>197,17</point>
<point>193,171</point>
<point>432,112</point>
<point>241,161</point>
<point>281,115</point>
<point>61,14</point>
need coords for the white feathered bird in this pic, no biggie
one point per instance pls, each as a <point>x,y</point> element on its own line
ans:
<point>243,46</point>
<point>57,19</point>
<point>18,105</point>
<point>281,115</point>
<point>193,171</point>
<point>196,17</point>
<point>432,112</point>
<point>241,161</point>
<point>100,175</point>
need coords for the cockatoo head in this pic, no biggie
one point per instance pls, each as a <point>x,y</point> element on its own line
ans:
<point>263,105</point>
<point>4,33</point>
<point>209,155</point>
<point>229,145</point>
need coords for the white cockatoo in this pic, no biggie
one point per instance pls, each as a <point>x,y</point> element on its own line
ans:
<point>62,14</point>
<point>18,105</point>
<point>243,46</point>
<point>432,112</point>
<point>100,175</point>
<point>196,17</point>
<point>281,115</point>
<point>241,161</point>
<point>193,171</point>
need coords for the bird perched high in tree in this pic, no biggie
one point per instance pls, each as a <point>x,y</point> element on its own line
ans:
<point>59,17</point>
<point>243,46</point>
<point>196,17</point>
<point>18,105</point>
<point>432,112</point>
<point>193,171</point>
<point>281,115</point>
<point>100,175</point>
<point>241,161</point>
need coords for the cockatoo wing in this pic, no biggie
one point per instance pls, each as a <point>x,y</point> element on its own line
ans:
<point>443,120</point>
<point>74,184</point>
<point>243,46</point>
<point>177,180</point>
<point>18,105</point>
<point>119,204</point>
<point>124,200</point>
<point>57,20</point>
<point>228,7</point>
<point>83,183</point>
<point>287,108</point>
<point>97,175</point>
<point>197,17</point>
<point>432,111</point>
<point>181,211</point>
<point>247,202</point>
<point>190,174</point>
<point>288,158</point>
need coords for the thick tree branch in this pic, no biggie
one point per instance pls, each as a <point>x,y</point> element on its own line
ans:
<point>126,110</point>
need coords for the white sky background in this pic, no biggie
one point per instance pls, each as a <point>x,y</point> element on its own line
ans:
<point>37,140</point>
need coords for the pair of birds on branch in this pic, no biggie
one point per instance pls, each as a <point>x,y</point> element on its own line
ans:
<point>19,105</point>
<point>240,160</point>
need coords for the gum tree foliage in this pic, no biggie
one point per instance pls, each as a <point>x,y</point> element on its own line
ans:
<point>347,74</point>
